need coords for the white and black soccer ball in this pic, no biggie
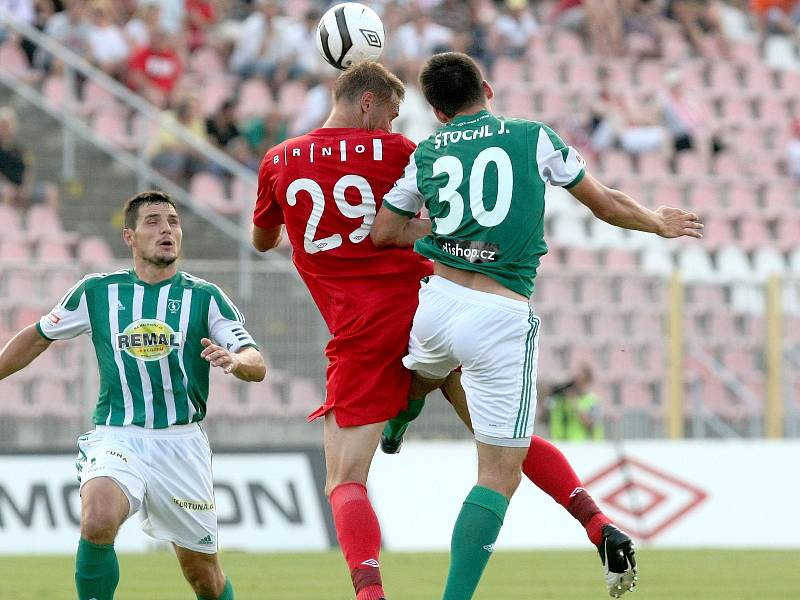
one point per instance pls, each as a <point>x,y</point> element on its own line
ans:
<point>350,33</point>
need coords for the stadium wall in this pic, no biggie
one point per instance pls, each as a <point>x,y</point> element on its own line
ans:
<point>667,494</point>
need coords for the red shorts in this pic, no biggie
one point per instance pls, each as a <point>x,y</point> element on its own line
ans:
<point>366,380</point>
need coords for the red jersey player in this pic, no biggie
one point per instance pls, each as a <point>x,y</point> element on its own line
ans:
<point>326,187</point>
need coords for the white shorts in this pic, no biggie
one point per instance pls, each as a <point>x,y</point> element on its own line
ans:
<point>495,340</point>
<point>164,472</point>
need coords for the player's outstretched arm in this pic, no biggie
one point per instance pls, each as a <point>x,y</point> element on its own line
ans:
<point>391,229</point>
<point>266,239</point>
<point>247,364</point>
<point>21,350</point>
<point>621,210</point>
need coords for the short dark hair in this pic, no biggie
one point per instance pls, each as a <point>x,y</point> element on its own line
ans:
<point>131,210</point>
<point>451,82</point>
<point>367,76</point>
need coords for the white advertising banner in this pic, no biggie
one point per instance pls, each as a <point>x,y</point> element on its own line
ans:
<point>265,501</point>
<point>666,494</point>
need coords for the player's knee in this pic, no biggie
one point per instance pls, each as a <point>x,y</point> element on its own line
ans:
<point>98,526</point>
<point>206,579</point>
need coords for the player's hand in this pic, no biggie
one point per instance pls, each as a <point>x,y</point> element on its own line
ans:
<point>676,223</point>
<point>219,356</point>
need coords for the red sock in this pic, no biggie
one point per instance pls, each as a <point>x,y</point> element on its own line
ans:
<point>550,471</point>
<point>359,537</point>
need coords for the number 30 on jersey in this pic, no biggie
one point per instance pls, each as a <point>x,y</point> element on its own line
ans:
<point>365,209</point>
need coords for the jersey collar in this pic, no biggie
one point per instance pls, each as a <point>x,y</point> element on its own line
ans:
<point>462,119</point>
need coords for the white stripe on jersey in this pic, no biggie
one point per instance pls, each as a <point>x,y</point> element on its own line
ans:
<point>147,386</point>
<point>186,309</point>
<point>166,380</point>
<point>113,323</point>
<point>377,149</point>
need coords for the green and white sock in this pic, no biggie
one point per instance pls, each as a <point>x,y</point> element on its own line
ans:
<point>96,571</point>
<point>227,593</point>
<point>396,428</point>
<point>474,535</point>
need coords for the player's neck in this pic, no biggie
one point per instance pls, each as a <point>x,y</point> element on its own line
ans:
<point>152,274</point>
<point>472,110</point>
<point>341,119</point>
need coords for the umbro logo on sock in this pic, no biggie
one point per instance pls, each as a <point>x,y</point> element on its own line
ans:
<point>371,562</point>
<point>489,548</point>
<point>208,540</point>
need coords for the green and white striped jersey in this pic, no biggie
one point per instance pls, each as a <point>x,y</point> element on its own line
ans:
<point>482,179</point>
<point>147,341</point>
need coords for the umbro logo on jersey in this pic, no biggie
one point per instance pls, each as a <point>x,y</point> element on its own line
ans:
<point>120,305</point>
<point>207,541</point>
<point>371,562</point>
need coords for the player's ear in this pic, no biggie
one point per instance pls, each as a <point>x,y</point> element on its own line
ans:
<point>127,237</point>
<point>487,90</point>
<point>367,101</point>
<point>443,118</point>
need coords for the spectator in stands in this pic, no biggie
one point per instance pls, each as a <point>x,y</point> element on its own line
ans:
<point>310,63</point>
<point>145,21</point>
<point>686,118</point>
<point>599,21</point>
<point>793,151</point>
<point>155,69</point>
<point>515,26</point>
<point>170,154</point>
<point>642,29</point>
<point>16,187</point>
<point>20,10</point>
<point>420,36</point>
<point>262,133</point>
<point>69,27</point>
<point>781,17</point>
<point>574,410</point>
<point>108,48</point>
<point>269,45</point>
<point>698,18</point>
<point>200,16</point>
<point>221,127</point>
<point>617,120</point>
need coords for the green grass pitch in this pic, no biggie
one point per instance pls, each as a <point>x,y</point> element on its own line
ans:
<point>557,575</point>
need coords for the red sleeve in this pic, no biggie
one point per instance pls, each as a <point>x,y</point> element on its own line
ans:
<point>268,213</point>
<point>137,60</point>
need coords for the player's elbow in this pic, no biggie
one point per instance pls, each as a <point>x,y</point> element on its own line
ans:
<point>264,240</point>
<point>382,236</point>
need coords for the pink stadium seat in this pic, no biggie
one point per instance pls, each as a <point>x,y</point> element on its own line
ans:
<point>58,281</point>
<point>43,221</point>
<point>788,232</point>
<point>14,250</point>
<point>214,92</point>
<point>747,53</point>
<point>790,83</point>
<point>653,164</point>
<point>736,109</point>
<point>616,164</point>
<point>723,77</point>
<point>206,62</point>
<point>580,257</point>
<point>110,125</point>
<point>707,296</point>
<point>759,78</point>
<point>718,231</point>
<point>304,396</point>
<point>12,393</point>
<point>13,60</point>
<point>94,250</point>
<point>567,44</point>
<point>771,109</point>
<point>291,95</point>
<point>96,97</point>
<point>617,258</point>
<point>544,73</point>
<point>568,325</point>
<point>54,251</point>
<point>519,101</point>
<point>50,400</point>
<point>635,394</point>
<point>778,198</point>
<point>580,73</point>
<point>255,99</point>
<point>21,286</point>
<point>24,316</point>
<point>703,194</point>
<point>207,190</point>
<point>10,224</point>
<point>668,194</point>
<point>741,198</point>
<point>507,70</point>
<point>691,163</point>
<point>753,232</point>
<point>597,292</point>
<point>651,74</point>
<point>54,90</point>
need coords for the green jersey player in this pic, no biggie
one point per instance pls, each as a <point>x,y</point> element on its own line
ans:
<point>482,179</point>
<point>156,332</point>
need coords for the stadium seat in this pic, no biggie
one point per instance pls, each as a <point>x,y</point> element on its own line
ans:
<point>788,232</point>
<point>14,250</point>
<point>57,282</point>
<point>96,97</point>
<point>43,221</point>
<point>291,95</point>
<point>568,230</point>
<point>14,61</point>
<point>619,259</point>
<point>26,315</point>
<point>651,74</point>
<point>778,198</point>
<point>54,251</point>
<point>694,263</point>
<point>691,163</point>
<point>207,190</point>
<point>255,99</point>
<point>95,251</point>
<point>753,232</point>
<point>206,62</point>
<point>12,393</point>
<point>10,224</point>
<point>732,264</point>
<point>605,235</point>
<point>718,232</point>
<point>507,70</point>
<point>653,164</point>
<point>656,260</point>
<point>21,286</point>
<point>214,92</point>
<point>768,261</point>
<point>617,164</point>
<point>54,91</point>
<point>110,125</point>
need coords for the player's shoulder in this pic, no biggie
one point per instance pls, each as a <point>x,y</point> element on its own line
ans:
<point>189,281</point>
<point>93,280</point>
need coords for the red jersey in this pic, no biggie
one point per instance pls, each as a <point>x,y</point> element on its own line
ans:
<point>327,187</point>
<point>163,69</point>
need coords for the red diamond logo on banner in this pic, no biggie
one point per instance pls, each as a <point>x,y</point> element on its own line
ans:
<point>643,500</point>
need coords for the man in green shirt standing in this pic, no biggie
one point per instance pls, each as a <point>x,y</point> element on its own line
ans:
<point>482,179</point>
<point>574,412</point>
<point>156,332</point>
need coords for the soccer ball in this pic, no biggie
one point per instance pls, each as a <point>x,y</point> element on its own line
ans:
<point>349,33</point>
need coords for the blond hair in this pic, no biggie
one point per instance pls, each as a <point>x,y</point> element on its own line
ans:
<point>367,77</point>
